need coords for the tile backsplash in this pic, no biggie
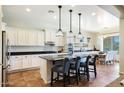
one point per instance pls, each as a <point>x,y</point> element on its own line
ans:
<point>32,48</point>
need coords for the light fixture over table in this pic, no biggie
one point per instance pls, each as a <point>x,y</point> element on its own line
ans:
<point>59,32</point>
<point>79,34</point>
<point>70,32</point>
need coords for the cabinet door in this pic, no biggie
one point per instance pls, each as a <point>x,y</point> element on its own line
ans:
<point>32,38</point>
<point>26,62</point>
<point>12,36</point>
<point>15,63</point>
<point>35,61</point>
<point>48,36</point>
<point>60,41</point>
<point>40,38</point>
<point>21,38</point>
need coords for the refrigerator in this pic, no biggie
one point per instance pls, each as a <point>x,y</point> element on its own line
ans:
<point>5,58</point>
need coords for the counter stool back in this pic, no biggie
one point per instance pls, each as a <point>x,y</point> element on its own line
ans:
<point>61,69</point>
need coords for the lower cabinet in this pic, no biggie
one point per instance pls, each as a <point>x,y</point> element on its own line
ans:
<point>26,63</point>
<point>35,61</point>
<point>15,63</point>
<point>23,62</point>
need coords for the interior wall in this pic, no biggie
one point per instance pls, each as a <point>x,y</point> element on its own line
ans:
<point>0,44</point>
<point>122,46</point>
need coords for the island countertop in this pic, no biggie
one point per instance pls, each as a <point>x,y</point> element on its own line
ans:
<point>49,59</point>
<point>59,56</point>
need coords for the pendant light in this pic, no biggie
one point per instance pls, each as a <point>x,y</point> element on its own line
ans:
<point>70,32</point>
<point>79,34</point>
<point>59,32</point>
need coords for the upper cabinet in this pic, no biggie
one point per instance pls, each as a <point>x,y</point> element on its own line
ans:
<point>51,36</point>
<point>25,37</point>
<point>40,38</point>
<point>18,36</point>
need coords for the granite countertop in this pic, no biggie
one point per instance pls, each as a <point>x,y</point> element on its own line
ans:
<point>31,52</point>
<point>60,56</point>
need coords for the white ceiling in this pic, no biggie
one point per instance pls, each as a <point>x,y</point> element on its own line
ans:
<point>39,18</point>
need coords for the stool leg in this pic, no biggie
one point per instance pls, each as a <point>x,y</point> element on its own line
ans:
<point>69,76</point>
<point>51,78</point>
<point>64,80</point>
<point>87,71</point>
<point>58,76</point>
<point>77,78</point>
<point>79,73</point>
<point>95,70</point>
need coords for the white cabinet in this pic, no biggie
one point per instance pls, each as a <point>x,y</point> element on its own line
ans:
<point>18,36</point>
<point>60,41</point>
<point>21,37</point>
<point>32,38</point>
<point>48,36</point>
<point>35,61</point>
<point>51,36</point>
<point>40,38</point>
<point>26,62</point>
<point>13,37</point>
<point>15,63</point>
<point>23,62</point>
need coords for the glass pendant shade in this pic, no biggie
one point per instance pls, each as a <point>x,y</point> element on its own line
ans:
<point>79,35</point>
<point>59,32</point>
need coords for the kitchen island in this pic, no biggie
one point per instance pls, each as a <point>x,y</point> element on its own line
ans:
<point>49,59</point>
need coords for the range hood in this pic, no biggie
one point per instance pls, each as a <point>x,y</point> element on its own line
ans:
<point>50,43</point>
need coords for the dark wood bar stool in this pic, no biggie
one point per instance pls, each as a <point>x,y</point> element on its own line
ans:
<point>62,71</point>
<point>75,68</point>
<point>84,66</point>
<point>92,63</point>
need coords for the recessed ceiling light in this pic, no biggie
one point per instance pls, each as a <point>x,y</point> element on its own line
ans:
<point>72,5</point>
<point>51,11</point>
<point>28,9</point>
<point>106,28</point>
<point>54,17</point>
<point>93,14</point>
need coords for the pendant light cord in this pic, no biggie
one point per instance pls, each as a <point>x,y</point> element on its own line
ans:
<point>79,23</point>
<point>70,20</point>
<point>60,17</point>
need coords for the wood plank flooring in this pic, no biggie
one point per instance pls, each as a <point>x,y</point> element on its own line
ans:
<point>105,75</point>
<point>116,83</point>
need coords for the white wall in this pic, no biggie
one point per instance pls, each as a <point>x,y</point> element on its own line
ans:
<point>122,46</point>
<point>0,43</point>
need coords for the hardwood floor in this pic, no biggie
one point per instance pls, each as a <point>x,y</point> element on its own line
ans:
<point>105,75</point>
<point>116,82</point>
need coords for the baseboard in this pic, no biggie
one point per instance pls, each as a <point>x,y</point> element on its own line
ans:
<point>25,69</point>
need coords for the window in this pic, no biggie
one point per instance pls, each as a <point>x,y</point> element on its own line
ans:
<point>111,43</point>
